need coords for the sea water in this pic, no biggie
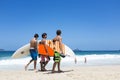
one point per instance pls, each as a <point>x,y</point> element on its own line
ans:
<point>93,58</point>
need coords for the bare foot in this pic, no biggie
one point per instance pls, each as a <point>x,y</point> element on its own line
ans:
<point>35,70</point>
<point>53,72</point>
<point>60,71</point>
<point>45,69</point>
<point>42,69</point>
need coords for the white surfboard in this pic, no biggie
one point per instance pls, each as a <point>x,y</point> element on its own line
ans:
<point>24,51</point>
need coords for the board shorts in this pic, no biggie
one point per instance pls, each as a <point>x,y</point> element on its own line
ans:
<point>43,57</point>
<point>33,54</point>
<point>57,57</point>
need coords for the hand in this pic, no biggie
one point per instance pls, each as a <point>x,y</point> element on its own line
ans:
<point>48,57</point>
<point>39,55</point>
<point>47,54</point>
<point>62,55</point>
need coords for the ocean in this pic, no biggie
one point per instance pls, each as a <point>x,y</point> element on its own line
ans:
<point>93,58</point>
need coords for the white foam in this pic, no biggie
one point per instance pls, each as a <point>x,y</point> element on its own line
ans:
<point>66,60</point>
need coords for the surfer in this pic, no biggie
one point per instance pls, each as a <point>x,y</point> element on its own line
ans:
<point>33,51</point>
<point>57,55</point>
<point>85,61</point>
<point>44,62</point>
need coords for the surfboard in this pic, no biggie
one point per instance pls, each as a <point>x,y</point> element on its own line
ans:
<point>24,50</point>
<point>51,47</point>
<point>42,50</point>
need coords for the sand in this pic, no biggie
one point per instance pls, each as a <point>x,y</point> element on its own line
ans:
<point>71,73</point>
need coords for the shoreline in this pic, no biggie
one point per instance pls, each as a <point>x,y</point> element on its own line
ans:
<point>108,72</point>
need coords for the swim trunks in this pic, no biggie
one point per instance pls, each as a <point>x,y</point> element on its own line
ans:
<point>43,58</point>
<point>57,57</point>
<point>33,54</point>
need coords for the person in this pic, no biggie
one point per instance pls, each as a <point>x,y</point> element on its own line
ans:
<point>85,61</point>
<point>44,59</point>
<point>33,51</point>
<point>57,55</point>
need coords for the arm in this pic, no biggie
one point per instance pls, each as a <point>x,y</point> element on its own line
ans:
<point>44,43</point>
<point>35,44</point>
<point>60,44</point>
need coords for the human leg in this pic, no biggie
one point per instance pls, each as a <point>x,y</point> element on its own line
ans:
<point>59,70</point>
<point>34,57</point>
<point>42,62</point>
<point>54,65</point>
<point>28,64</point>
<point>46,62</point>
<point>35,63</point>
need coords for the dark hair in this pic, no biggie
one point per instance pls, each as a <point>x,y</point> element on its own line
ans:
<point>58,32</point>
<point>44,34</point>
<point>36,35</point>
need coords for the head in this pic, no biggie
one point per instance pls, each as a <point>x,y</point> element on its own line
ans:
<point>36,35</point>
<point>58,32</point>
<point>44,35</point>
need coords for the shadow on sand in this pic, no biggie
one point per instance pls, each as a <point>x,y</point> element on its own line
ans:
<point>50,71</point>
<point>58,72</point>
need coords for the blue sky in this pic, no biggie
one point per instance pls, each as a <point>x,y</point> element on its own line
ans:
<point>85,24</point>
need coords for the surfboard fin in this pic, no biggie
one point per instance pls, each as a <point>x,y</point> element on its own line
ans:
<point>62,55</point>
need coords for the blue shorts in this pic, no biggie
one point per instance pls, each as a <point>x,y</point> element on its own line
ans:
<point>33,54</point>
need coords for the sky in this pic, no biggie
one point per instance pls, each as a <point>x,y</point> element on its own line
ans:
<point>85,24</point>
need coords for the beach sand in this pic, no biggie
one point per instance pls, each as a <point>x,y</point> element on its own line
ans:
<point>70,73</point>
